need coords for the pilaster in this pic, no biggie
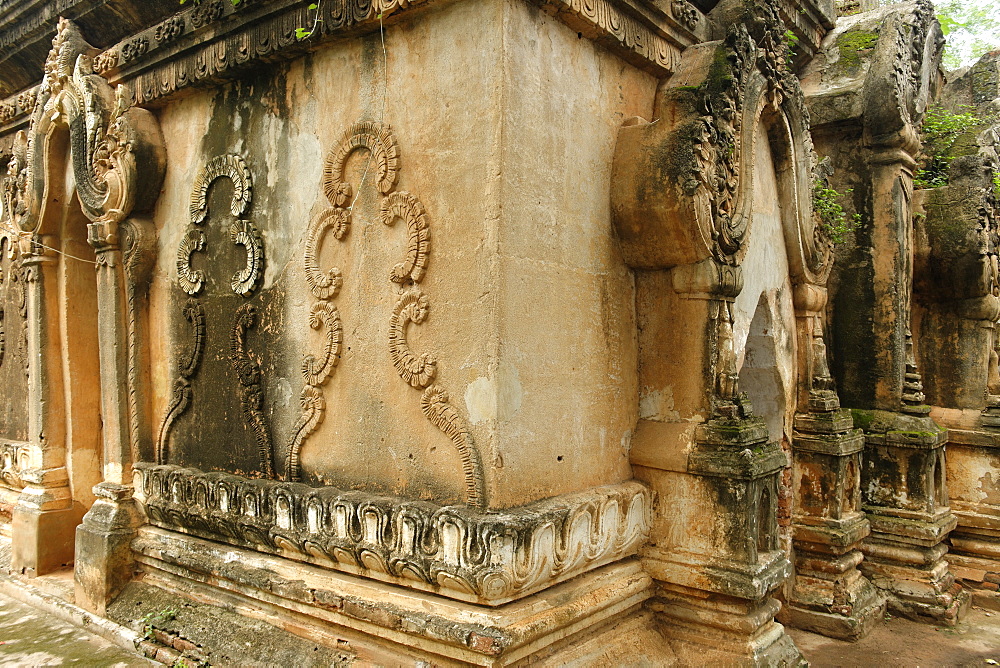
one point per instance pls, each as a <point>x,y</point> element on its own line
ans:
<point>45,516</point>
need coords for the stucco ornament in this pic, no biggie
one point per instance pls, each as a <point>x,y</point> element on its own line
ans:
<point>418,370</point>
<point>116,149</point>
<point>683,195</point>
<point>460,552</point>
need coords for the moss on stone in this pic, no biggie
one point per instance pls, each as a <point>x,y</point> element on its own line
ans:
<point>851,43</point>
<point>862,419</point>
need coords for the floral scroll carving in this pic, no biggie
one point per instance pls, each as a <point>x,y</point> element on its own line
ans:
<point>191,280</point>
<point>418,370</point>
<point>405,206</point>
<point>187,366</point>
<point>241,232</point>
<point>245,282</point>
<point>251,388</point>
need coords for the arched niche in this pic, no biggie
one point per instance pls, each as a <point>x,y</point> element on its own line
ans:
<point>81,175</point>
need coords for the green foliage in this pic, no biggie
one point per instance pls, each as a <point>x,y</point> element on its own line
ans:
<point>151,619</point>
<point>791,41</point>
<point>835,221</point>
<point>940,130</point>
<point>972,28</point>
<point>996,184</point>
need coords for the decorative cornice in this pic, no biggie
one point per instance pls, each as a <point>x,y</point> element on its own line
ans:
<point>487,557</point>
<point>214,39</point>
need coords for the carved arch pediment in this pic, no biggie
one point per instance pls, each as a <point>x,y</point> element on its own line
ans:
<point>116,150</point>
<point>682,185</point>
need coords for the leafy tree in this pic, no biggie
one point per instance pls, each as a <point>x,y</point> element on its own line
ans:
<point>972,28</point>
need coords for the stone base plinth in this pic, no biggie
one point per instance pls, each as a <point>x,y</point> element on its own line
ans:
<point>43,540</point>
<point>103,547</point>
<point>845,607</point>
<point>904,557</point>
<point>388,624</point>
<point>714,629</point>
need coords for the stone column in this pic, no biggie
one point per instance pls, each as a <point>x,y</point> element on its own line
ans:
<point>45,516</point>
<point>903,473</point>
<point>957,297</point>
<point>866,105</point>
<point>714,549</point>
<point>105,563</point>
<point>828,594</point>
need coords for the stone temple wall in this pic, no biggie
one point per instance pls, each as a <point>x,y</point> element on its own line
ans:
<point>490,331</point>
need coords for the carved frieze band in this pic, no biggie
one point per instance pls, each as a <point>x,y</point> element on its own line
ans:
<point>459,552</point>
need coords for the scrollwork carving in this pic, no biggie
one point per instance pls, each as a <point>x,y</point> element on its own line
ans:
<point>244,233</point>
<point>233,167</point>
<point>407,207</point>
<point>191,280</point>
<point>187,366</point>
<point>380,141</point>
<point>313,407</point>
<point>417,371</point>
<point>337,222</point>
<point>324,315</point>
<point>251,388</point>
<point>438,410</point>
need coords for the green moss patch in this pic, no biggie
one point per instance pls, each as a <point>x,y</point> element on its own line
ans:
<point>852,43</point>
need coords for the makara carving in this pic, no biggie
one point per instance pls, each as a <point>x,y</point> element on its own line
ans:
<point>115,148</point>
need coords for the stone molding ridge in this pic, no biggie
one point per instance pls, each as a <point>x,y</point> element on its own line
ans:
<point>487,557</point>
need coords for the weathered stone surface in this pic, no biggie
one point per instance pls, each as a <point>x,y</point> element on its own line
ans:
<point>484,557</point>
<point>958,294</point>
<point>868,90</point>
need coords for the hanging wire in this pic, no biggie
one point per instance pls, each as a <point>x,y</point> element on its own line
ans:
<point>381,116</point>
<point>8,228</point>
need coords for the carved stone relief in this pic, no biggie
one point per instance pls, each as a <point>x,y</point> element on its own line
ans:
<point>244,283</point>
<point>13,341</point>
<point>412,306</point>
<point>455,551</point>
